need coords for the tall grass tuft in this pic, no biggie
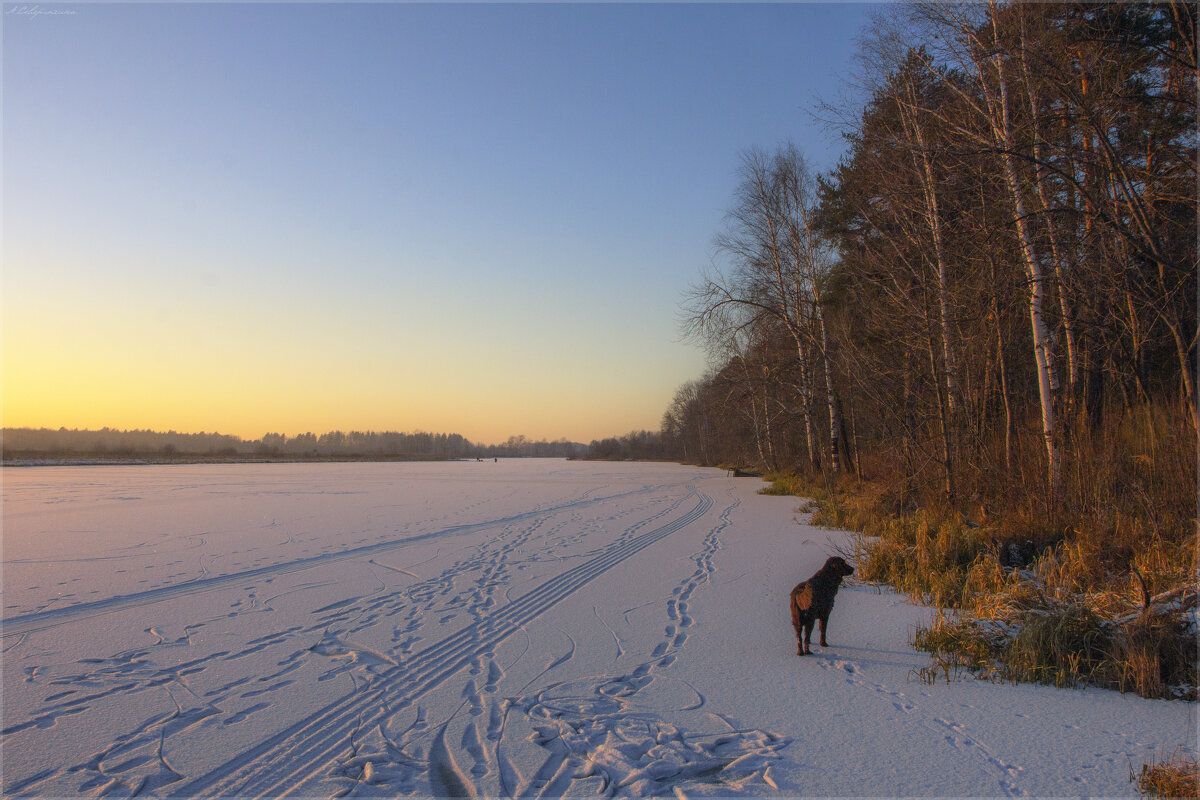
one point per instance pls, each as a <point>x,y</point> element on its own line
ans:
<point>1178,776</point>
<point>788,483</point>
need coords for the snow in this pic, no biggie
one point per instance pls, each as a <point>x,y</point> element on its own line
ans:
<point>522,628</point>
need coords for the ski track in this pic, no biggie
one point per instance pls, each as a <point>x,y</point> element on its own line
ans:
<point>308,748</point>
<point>321,746</point>
<point>601,734</point>
<point>40,620</point>
<point>596,736</point>
<point>599,742</point>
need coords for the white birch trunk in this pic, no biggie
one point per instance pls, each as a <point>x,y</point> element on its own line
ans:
<point>1057,265</point>
<point>804,258</point>
<point>1042,343</point>
<point>805,402</point>
<point>834,427</point>
<point>934,220</point>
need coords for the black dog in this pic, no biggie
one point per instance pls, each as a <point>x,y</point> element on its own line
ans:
<point>813,600</point>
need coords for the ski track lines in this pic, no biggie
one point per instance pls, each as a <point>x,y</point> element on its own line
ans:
<point>593,732</point>
<point>953,733</point>
<point>305,749</point>
<point>131,672</point>
<point>40,620</point>
<point>575,737</point>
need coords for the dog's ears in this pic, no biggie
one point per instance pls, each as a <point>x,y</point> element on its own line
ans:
<point>840,563</point>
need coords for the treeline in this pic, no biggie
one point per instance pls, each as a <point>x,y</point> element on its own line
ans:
<point>390,443</point>
<point>113,443</point>
<point>995,289</point>
<point>974,340</point>
<point>633,446</point>
<point>521,447</point>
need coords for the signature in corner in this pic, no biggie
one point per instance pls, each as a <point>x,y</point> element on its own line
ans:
<point>39,11</point>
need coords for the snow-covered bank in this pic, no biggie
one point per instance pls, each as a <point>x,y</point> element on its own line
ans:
<point>503,629</point>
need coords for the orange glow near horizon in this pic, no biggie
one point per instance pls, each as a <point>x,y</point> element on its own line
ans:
<point>190,378</point>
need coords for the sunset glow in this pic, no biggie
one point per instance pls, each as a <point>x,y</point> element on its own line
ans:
<point>462,218</point>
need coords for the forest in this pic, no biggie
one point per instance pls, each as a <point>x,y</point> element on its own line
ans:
<point>975,337</point>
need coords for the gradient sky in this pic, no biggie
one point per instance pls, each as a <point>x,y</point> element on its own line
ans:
<point>472,218</point>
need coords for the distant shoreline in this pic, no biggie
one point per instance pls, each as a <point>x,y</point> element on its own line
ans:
<point>41,446</point>
<point>27,459</point>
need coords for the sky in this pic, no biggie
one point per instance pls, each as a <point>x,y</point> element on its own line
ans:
<point>470,218</point>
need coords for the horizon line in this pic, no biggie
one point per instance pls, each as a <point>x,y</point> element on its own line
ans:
<point>288,436</point>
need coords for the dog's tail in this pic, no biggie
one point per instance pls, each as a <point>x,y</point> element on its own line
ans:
<point>802,597</point>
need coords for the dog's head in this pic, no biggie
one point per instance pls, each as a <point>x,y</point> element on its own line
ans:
<point>838,567</point>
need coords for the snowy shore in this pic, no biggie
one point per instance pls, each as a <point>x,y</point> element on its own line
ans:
<point>521,628</point>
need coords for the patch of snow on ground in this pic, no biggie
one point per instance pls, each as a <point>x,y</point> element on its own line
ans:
<point>514,629</point>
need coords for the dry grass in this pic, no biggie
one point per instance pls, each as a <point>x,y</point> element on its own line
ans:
<point>1070,643</point>
<point>789,483</point>
<point>1047,589</point>
<point>1057,621</point>
<point>1178,776</point>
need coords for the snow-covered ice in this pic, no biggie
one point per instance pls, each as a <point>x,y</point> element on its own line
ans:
<point>514,629</point>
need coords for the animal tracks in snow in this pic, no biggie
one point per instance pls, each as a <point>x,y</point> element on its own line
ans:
<point>599,734</point>
<point>950,733</point>
<point>311,748</point>
<point>373,732</point>
<point>518,630</point>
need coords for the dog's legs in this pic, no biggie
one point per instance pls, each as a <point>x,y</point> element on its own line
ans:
<point>808,626</point>
<point>796,625</point>
<point>822,621</point>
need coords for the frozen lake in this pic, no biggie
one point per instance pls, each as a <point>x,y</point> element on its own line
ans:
<point>515,629</point>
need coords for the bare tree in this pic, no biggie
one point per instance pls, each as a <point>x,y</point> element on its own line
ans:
<point>760,282</point>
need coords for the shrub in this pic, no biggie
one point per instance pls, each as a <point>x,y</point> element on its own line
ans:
<point>1022,633</point>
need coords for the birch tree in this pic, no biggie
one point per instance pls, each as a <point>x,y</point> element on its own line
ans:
<point>760,281</point>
